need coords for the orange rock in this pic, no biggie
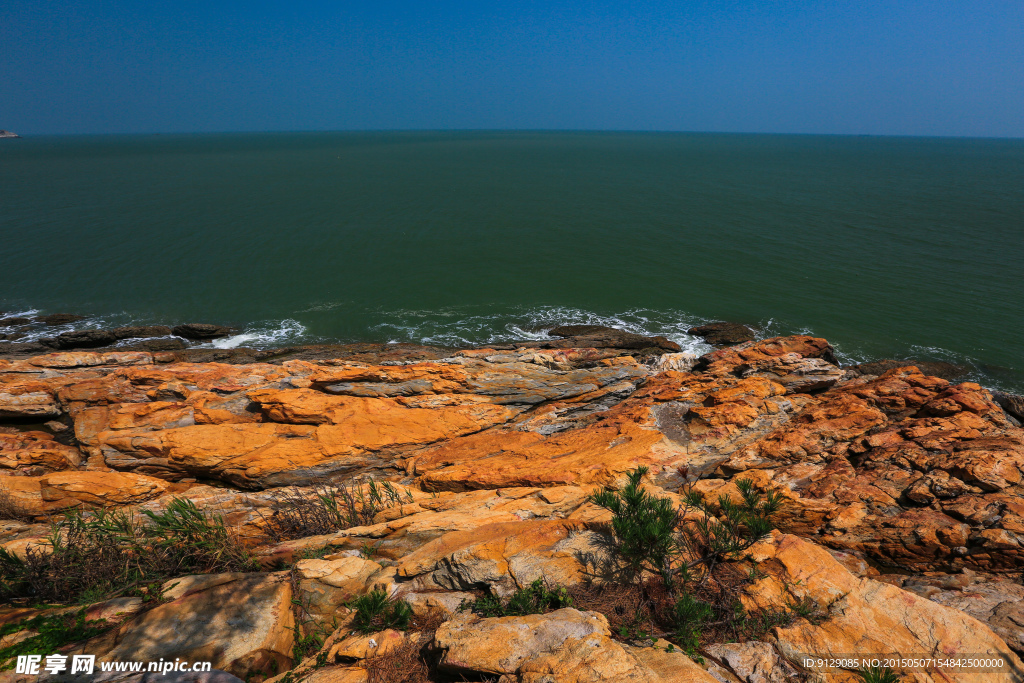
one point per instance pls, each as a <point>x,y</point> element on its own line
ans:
<point>36,452</point>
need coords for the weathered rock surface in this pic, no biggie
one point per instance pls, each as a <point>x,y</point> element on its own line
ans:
<point>565,645</point>
<point>240,623</point>
<point>864,616</point>
<point>494,453</point>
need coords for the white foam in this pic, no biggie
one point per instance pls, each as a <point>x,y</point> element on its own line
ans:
<point>267,333</point>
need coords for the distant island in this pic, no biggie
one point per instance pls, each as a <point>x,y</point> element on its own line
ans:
<point>8,134</point>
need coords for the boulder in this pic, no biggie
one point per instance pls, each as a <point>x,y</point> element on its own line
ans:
<point>243,625</point>
<point>1011,403</point>
<point>201,331</point>
<point>85,339</point>
<point>324,586</point>
<point>564,645</point>
<point>723,333</point>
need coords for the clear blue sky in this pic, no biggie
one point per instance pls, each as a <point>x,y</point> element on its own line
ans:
<point>917,67</point>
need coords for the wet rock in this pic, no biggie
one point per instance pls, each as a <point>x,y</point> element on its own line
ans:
<point>85,339</point>
<point>170,344</point>
<point>15,322</point>
<point>604,337</point>
<point>1011,403</point>
<point>202,331</point>
<point>578,330</point>
<point>55,319</point>
<point>23,348</point>
<point>723,333</point>
<point>141,331</point>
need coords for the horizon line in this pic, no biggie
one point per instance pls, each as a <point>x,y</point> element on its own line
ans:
<point>515,130</point>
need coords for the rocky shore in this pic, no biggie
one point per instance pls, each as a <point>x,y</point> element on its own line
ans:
<point>466,482</point>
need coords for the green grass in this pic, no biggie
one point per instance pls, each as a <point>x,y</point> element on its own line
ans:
<point>53,632</point>
<point>536,598</point>
<point>376,612</point>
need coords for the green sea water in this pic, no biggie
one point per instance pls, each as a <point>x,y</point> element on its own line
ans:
<point>889,247</point>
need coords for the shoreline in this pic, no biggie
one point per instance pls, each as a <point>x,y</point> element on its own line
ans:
<point>888,483</point>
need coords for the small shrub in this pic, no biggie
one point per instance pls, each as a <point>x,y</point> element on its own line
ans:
<point>325,509</point>
<point>644,526</point>
<point>697,596</point>
<point>878,674</point>
<point>534,599</point>
<point>105,554</point>
<point>376,612</point>
<point>54,631</point>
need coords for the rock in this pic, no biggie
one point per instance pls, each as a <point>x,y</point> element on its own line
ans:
<point>23,348</point>
<point>677,362</point>
<point>27,399</point>
<point>505,556</point>
<point>753,662</point>
<point>141,331</point>
<point>564,645</point>
<point>324,586</point>
<point>243,626</point>
<point>941,369</point>
<point>997,602</point>
<point>796,373</point>
<point>36,451</point>
<point>201,331</point>
<point>1011,403</point>
<point>157,345</point>
<point>599,337</point>
<point>14,321</point>
<point>8,134</point>
<point>861,616</point>
<point>577,330</point>
<point>55,319</point>
<point>101,489</point>
<point>731,358</point>
<point>84,339</point>
<point>723,333</point>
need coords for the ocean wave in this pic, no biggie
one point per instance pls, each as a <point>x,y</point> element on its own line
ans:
<point>454,328</point>
<point>264,334</point>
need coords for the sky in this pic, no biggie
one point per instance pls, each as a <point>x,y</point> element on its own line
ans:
<point>904,67</point>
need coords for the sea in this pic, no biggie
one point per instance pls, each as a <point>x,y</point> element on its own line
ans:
<point>890,247</point>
